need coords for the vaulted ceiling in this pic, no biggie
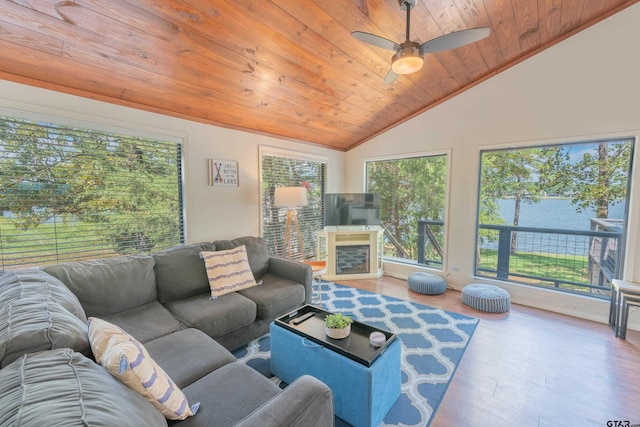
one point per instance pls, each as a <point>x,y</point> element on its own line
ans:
<point>286,68</point>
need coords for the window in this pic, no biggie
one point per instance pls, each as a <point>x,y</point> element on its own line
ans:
<point>555,216</point>
<point>412,197</point>
<point>283,169</point>
<point>71,194</point>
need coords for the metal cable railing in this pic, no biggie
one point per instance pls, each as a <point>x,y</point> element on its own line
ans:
<point>581,261</point>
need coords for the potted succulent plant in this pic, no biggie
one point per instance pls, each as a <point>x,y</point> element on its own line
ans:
<point>337,325</point>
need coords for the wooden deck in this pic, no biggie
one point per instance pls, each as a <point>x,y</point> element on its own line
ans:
<point>531,367</point>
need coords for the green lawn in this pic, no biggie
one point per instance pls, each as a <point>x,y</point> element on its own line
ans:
<point>561,267</point>
<point>18,247</point>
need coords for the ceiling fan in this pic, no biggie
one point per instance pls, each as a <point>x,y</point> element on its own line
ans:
<point>409,55</point>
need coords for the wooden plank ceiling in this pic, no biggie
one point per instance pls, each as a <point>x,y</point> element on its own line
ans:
<point>287,68</point>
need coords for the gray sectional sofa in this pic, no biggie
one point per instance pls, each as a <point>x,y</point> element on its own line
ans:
<point>48,375</point>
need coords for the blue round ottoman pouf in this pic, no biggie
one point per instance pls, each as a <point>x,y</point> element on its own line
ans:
<point>427,283</point>
<point>489,298</point>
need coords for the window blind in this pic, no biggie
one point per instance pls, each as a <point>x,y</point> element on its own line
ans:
<point>282,171</point>
<point>72,194</point>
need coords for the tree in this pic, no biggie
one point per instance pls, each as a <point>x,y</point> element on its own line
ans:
<point>410,190</point>
<point>29,183</point>
<point>127,185</point>
<point>510,173</point>
<point>599,179</point>
<point>603,179</point>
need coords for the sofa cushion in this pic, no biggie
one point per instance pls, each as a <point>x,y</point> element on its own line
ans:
<point>33,324</point>
<point>147,322</point>
<point>214,317</point>
<point>180,272</point>
<point>128,360</point>
<point>203,354</point>
<point>257,252</point>
<point>110,285</point>
<point>275,296</point>
<point>78,392</point>
<point>227,408</point>
<point>228,271</point>
<point>32,282</point>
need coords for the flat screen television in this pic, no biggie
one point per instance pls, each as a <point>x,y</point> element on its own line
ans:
<point>351,209</point>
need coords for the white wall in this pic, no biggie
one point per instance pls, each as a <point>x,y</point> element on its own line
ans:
<point>584,88</point>
<point>212,212</point>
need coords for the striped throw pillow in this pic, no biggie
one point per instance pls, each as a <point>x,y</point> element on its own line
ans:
<point>228,271</point>
<point>126,359</point>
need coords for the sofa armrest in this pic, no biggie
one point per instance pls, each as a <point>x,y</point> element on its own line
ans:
<point>305,402</point>
<point>293,270</point>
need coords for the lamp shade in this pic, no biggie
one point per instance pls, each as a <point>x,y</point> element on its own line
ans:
<point>290,197</point>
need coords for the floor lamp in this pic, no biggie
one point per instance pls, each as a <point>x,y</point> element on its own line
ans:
<point>291,198</point>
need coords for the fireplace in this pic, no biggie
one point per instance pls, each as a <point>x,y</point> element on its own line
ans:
<point>351,252</point>
<point>352,259</point>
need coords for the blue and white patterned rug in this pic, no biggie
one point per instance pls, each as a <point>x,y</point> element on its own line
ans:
<point>433,343</point>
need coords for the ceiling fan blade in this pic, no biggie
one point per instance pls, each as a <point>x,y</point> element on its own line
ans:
<point>390,77</point>
<point>374,40</point>
<point>454,40</point>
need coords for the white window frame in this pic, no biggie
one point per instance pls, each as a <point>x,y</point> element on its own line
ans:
<point>632,241</point>
<point>39,113</point>
<point>448,153</point>
<point>289,154</point>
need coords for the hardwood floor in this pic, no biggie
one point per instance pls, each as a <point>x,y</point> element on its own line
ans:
<point>531,367</point>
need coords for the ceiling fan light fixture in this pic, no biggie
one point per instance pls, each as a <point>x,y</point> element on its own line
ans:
<point>409,55</point>
<point>407,61</point>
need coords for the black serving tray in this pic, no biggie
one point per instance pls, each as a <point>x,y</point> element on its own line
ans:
<point>356,346</point>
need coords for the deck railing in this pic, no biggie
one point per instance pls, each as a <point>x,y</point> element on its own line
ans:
<point>582,261</point>
<point>430,237</point>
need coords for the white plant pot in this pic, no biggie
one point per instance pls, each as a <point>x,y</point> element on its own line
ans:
<point>337,334</point>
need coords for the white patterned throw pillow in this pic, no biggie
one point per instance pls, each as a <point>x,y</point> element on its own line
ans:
<point>126,359</point>
<point>228,271</point>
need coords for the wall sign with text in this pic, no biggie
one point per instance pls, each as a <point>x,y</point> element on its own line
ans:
<point>223,173</point>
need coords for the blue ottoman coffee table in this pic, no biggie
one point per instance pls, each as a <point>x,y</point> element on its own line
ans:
<point>363,391</point>
<point>489,298</point>
<point>426,283</point>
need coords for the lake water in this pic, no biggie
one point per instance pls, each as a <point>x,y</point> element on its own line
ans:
<point>553,213</point>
